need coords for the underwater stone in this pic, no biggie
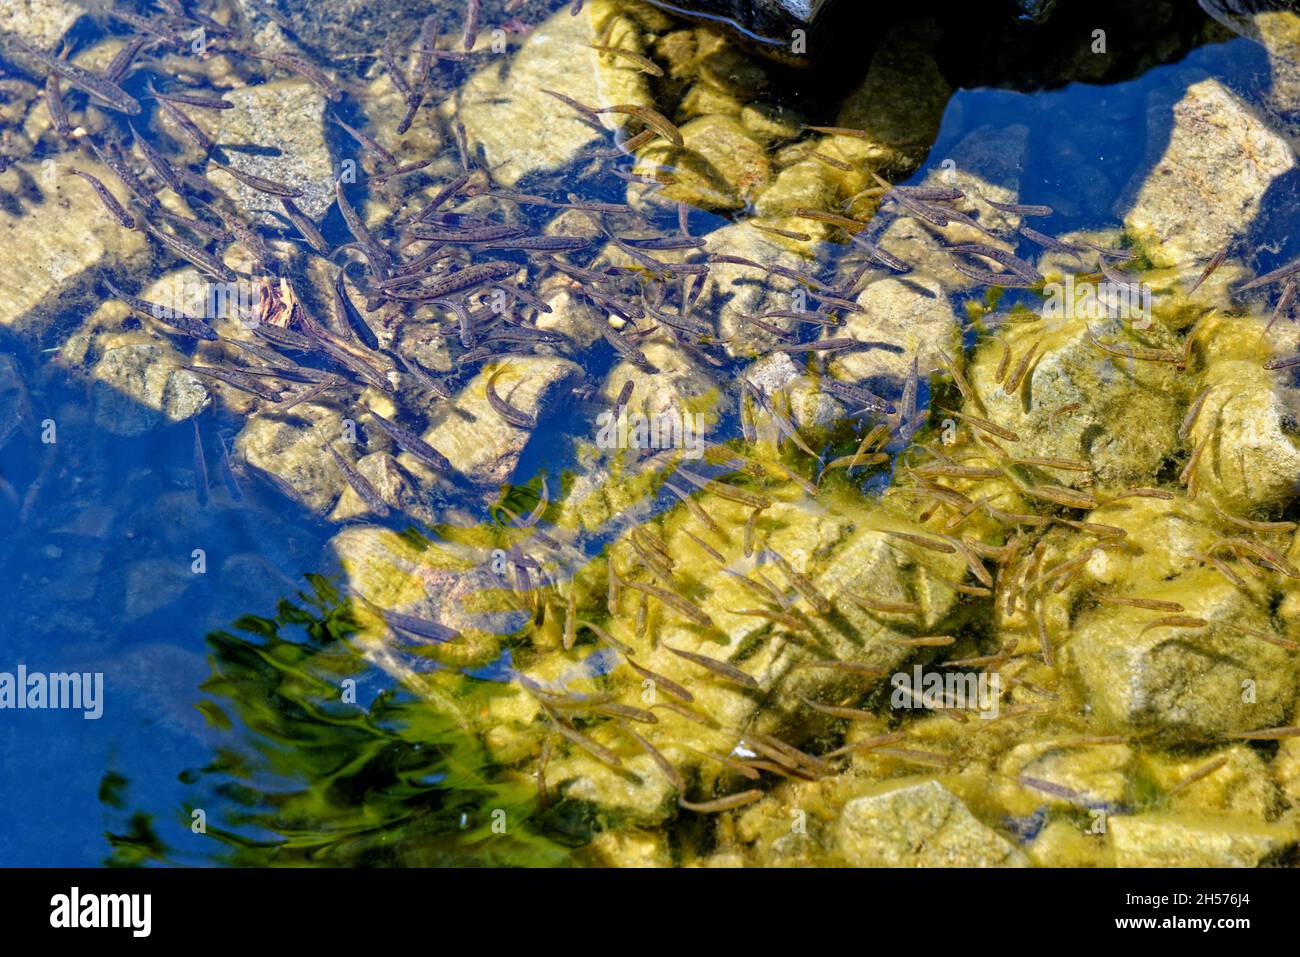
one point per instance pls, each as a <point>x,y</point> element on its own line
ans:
<point>731,290</point>
<point>294,450</point>
<point>1178,681</point>
<point>1099,772</point>
<point>1241,786</point>
<point>1122,417</point>
<point>286,117</point>
<point>1195,840</point>
<point>49,248</point>
<point>681,385</point>
<point>40,22</point>
<point>481,445</point>
<point>15,407</point>
<point>1206,188</point>
<point>139,384</point>
<point>520,130</point>
<point>902,325</point>
<point>912,823</point>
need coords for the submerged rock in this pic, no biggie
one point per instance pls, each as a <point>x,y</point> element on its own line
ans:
<point>1206,188</point>
<point>277,131</point>
<point>39,22</point>
<point>919,824</point>
<point>1195,840</point>
<point>140,383</point>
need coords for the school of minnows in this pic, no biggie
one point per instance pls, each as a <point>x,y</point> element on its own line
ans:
<point>479,274</point>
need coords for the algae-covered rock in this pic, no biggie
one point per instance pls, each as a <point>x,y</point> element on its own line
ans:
<point>1232,780</point>
<point>1140,672</point>
<point>1076,402</point>
<point>1206,188</point>
<point>294,450</point>
<point>1098,772</point>
<point>1195,840</point>
<point>919,824</point>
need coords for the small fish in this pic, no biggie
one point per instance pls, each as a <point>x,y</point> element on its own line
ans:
<point>721,668</point>
<point>188,126</point>
<point>304,68</point>
<point>1175,621</point>
<point>192,99</point>
<point>687,609</point>
<point>1020,209</point>
<point>200,467</point>
<point>260,183</point>
<point>158,163</point>
<point>190,325</point>
<point>54,103</point>
<point>359,483</point>
<point>727,803</point>
<point>204,260</point>
<point>1050,243</point>
<point>110,202</point>
<point>651,118</point>
<point>1282,272</point>
<point>504,409</point>
<point>984,424</point>
<point>472,10</point>
<point>409,442</point>
<point>1210,267</point>
<point>123,58</point>
<point>367,142</point>
<point>305,226</point>
<point>98,86</point>
<point>112,157</point>
<point>646,65</point>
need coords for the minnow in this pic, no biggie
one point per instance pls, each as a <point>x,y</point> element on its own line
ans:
<point>192,99</point>
<point>98,86</point>
<point>1013,382</point>
<point>472,9</point>
<point>1279,527</point>
<point>592,747</point>
<point>409,442</point>
<point>935,545</point>
<point>158,163</point>
<point>671,773</point>
<point>504,409</point>
<point>1051,244</point>
<point>647,65</point>
<point>395,71</point>
<point>201,258</point>
<point>359,483</point>
<point>441,198</point>
<point>1264,636</point>
<point>1189,420</point>
<point>1283,272</point>
<point>415,166</point>
<point>687,609</point>
<point>227,471</point>
<point>1283,303</point>
<point>834,711</point>
<point>306,228</point>
<point>304,68</point>
<point>728,803</point>
<point>1202,772</point>
<point>1267,554</point>
<point>415,625</point>
<point>589,113</point>
<point>123,58</point>
<point>838,131</point>
<point>54,103</point>
<point>260,183</point>
<point>461,280</point>
<point>1193,460</point>
<point>188,126</point>
<point>616,709</point>
<point>1011,261</point>
<point>200,467</point>
<point>1020,209</point>
<point>823,345</point>
<point>884,607</point>
<point>986,277</point>
<point>669,686</point>
<point>785,754</point>
<point>1265,734</point>
<point>722,668</point>
<point>111,157</point>
<point>882,256</point>
<point>366,142</point>
<point>607,638</point>
<point>856,395</point>
<point>563,244</point>
<point>698,511</point>
<point>927,641</point>
<point>866,744</point>
<point>785,233</point>
<point>624,347</point>
<point>817,215</point>
<point>190,325</point>
<point>984,424</point>
<point>124,219</point>
<point>1175,621</point>
<point>651,118</point>
<point>1047,787</point>
<point>722,490</point>
<point>1284,363</point>
<point>358,367</point>
<point>1071,498</point>
<point>802,584</point>
<point>347,315</point>
<point>1215,262</point>
<point>235,379</point>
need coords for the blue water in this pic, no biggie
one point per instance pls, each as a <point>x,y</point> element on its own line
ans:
<point>110,506</point>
